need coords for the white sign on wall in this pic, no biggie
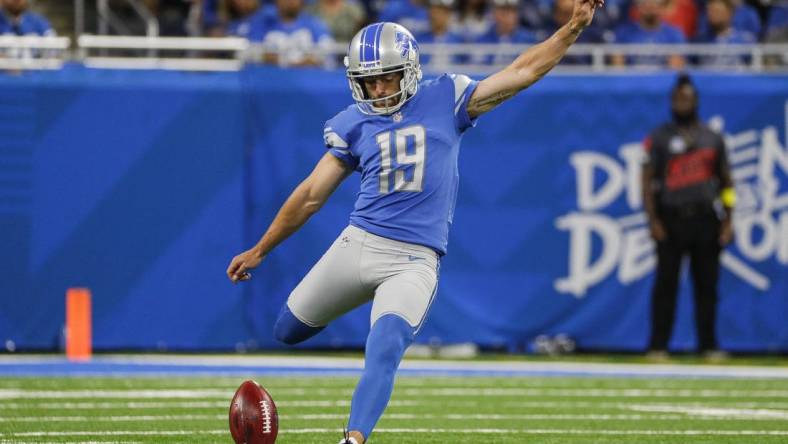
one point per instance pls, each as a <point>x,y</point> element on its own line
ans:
<point>759,164</point>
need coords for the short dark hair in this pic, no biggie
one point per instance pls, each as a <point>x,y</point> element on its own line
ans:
<point>683,80</point>
<point>728,3</point>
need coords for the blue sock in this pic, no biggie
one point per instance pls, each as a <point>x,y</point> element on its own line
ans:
<point>290,330</point>
<point>386,344</point>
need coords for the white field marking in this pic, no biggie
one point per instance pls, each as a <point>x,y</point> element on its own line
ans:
<point>123,418</point>
<point>141,394</point>
<point>113,405</point>
<point>60,442</point>
<point>593,393</point>
<point>185,405</point>
<point>323,362</point>
<point>569,405</point>
<point>119,433</point>
<point>476,391</point>
<point>722,412</point>
<point>495,417</point>
<point>420,430</point>
<point>392,404</point>
<point>333,416</point>
<point>701,414</point>
<point>567,432</point>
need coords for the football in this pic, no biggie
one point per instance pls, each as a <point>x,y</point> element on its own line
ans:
<point>253,415</point>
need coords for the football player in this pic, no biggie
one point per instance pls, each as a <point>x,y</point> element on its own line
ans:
<point>403,136</point>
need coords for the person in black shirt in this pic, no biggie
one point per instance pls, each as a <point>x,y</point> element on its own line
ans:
<point>688,197</point>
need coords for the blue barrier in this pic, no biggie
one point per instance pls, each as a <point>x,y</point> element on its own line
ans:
<point>143,185</point>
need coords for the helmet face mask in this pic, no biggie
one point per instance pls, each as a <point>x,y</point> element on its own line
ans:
<point>378,49</point>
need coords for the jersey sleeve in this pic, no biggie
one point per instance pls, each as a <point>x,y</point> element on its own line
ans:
<point>463,89</point>
<point>337,137</point>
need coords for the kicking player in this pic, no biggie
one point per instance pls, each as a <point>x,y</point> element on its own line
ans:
<point>403,136</point>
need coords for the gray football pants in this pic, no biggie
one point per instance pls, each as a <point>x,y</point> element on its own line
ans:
<point>400,278</point>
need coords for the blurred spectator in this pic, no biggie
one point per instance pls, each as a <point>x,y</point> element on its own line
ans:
<point>538,14</point>
<point>173,16</point>
<point>688,196</point>
<point>777,23</point>
<point>609,17</point>
<point>683,14</point>
<point>248,19</point>
<point>294,37</point>
<point>440,13</point>
<point>535,14</point>
<point>409,13</point>
<point>473,20</point>
<point>506,29</point>
<point>562,12</point>
<point>16,19</point>
<point>649,29</point>
<point>343,17</point>
<point>209,14</point>
<point>745,18</point>
<point>777,32</point>
<point>719,14</point>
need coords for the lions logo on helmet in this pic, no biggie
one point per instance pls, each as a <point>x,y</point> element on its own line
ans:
<point>406,44</point>
<point>383,48</point>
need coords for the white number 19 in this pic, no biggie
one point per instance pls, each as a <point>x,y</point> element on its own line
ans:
<point>403,158</point>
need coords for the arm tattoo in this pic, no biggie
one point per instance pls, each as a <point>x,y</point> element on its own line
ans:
<point>481,105</point>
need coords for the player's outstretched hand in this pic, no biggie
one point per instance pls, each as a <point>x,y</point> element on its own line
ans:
<point>584,12</point>
<point>241,264</point>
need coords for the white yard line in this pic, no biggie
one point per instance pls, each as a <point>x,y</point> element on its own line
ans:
<point>397,403</point>
<point>121,418</point>
<point>420,393</point>
<point>186,405</point>
<point>113,405</point>
<point>61,442</point>
<point>117,433</point>
<point>722,412</point>
<point>593,393</point>
<point>594,432</point>
<point>701,413</point>
<point>134,394</point>
<point>328,416</point>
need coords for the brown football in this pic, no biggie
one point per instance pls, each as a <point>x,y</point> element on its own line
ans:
<point>253,415</point>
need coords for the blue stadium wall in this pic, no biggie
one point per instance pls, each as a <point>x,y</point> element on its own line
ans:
<point>143,185</point>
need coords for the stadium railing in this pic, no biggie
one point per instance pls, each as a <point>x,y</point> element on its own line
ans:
<point>229,53</point>
<point>33,52</point>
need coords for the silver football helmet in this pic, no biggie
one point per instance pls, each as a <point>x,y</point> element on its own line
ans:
<point>382,48</point>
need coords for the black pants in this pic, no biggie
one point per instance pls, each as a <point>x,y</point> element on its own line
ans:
<point>696,235</point>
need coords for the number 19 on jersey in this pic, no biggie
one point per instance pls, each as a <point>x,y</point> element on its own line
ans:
<point>401,136</point>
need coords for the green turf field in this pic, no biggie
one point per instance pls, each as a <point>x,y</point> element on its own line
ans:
<point>423,410</point>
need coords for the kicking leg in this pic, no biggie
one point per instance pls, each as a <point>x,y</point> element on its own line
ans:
<point>401,303</point>
<point>387,341</point>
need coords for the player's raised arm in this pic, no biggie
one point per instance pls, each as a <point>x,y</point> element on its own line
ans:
<point>308,197</point>
<point>533,64</point>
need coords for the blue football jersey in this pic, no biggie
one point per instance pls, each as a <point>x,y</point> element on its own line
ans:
<point>407,161</point>
<point>28,24</point>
